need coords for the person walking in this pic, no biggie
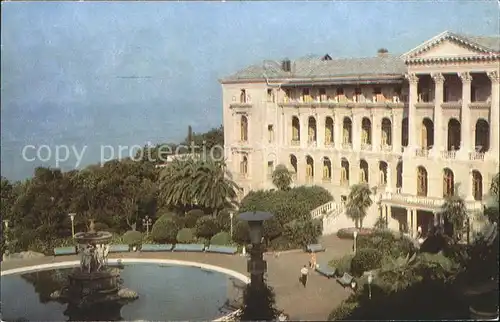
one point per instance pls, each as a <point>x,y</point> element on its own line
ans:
<point>303,275</point>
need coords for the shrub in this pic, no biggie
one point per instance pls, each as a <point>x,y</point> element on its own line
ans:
<point>280,243</point>
<point>348,233</point>
<point>99,226</point>
<point>192,217</point>
<point>241,233</point>
<point>366,259</point>
<point>272,229</point>
<point>185,236</point>
<point>342,264</point>
<point>165,229</point>
<point>132,238</point>
<point>202,240</point>
<point>342,311</point>
<point>221,238</point>
<point>302,233</point>
<point>206,227</point>
<point>224,221</point>
<point>387,243</point>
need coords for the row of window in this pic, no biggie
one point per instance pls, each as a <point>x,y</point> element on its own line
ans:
<point>482,132</point>
<point>422,180</point>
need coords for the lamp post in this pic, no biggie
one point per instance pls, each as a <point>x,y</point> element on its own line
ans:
<point>355,234</point>
<point>146,221</point>
<point>370,280</point>
<point>231,215</point>
<point>256,265</point>
<point>72,217</point>
<point>6,225</point>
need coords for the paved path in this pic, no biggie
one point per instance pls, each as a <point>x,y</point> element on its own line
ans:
<point>314,302</point>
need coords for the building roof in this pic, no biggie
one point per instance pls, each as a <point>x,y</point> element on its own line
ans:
<point>323,67</point>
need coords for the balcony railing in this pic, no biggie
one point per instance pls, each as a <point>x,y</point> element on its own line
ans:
<point>295,142</point>
<point>347,146</point>
<point>449,155</point>
<point>475,156</point>
<point>240,105</point>
<point>480,105</point>
<point>327,180</point>
<point>422,153</point>
<point>342,99</point>
<point>311,143</point>
<point>385,148</point>
<point>423,105</point>
<point>426,202</point>
<point>366,146</point>
<point>309,179</point>
<point>329,144</point>
<point>451,105</point>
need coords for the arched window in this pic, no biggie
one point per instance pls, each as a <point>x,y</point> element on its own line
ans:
<point>363,171</point>
<point>399,175</point>
<point>482,136</point>
<point>328,130</point>
<point>366,127</point>
<point>382,173</point>
<point>309,169</point>
<point>404,132</point>
<point>386,132</point>
<point>243,96</point>
<point>448,183</point>
<point>421,181</point>
<point>427,133</point>
<point>244,128</point>
<point>244,165</point>
<point>454,135</point>
<point>295,129</point>
<point>311,130</point>
<point>477,185</point>
<point>347,131</point>
<point>327,169</point>
<point>344,172</point>
<point>293,164</point>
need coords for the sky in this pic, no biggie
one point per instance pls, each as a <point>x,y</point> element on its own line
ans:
<point>66,67</point>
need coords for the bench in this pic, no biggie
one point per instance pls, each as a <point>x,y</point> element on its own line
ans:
<point>222,249</point>
<point>60,251</point>
<point>347,280</point>
<point>156,247</point>
<point>119,248</point>
<point>189,248</point>
<point>315,248</point>
<point>326,271</point>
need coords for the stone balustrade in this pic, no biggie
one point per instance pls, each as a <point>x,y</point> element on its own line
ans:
<point>426,202</point>
<point>476,156</point>
<point>449,155</point>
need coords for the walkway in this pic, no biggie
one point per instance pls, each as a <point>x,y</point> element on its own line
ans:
<point>312,303</point>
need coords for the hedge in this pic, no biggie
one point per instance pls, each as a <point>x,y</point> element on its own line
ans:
<point>387,243</point>
<point>132,238</point>
<point>165,230</point>
<point>185,236</point>
<point>342,264</point>
<point>348,233</point>
<point>192,217</point>
<point>221,238</point>
<point>365,259</point>
<point>206,227</point>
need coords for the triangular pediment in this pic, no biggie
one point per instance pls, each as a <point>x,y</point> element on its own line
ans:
<point>446,45</point>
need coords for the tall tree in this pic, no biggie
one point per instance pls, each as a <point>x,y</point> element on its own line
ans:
<point>358,202</point>
<point>282,178</point>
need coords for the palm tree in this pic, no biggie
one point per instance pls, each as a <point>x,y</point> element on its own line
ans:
<point>358,201</point>
<point>455,212</point>
<point>282,178</point>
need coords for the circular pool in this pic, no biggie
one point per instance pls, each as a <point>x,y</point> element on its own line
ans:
<point>168,290</point>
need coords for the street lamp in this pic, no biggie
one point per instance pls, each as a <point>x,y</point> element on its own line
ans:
<point>355,234</point>
<point>256,265</point>
<point>231,215</point>
<point>370,280</point>
<point>146,221</point>
<point>72,217</point>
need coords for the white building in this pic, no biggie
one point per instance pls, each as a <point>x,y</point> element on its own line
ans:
<point>415,126</point>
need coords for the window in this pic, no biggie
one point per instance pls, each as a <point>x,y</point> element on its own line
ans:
<point>322,95</point>
<point>448,183</point>
<point>244,166</point>
<point>473,94</point>
<point>421,181</point>
<point>244,129</point>
<point>340,91</point>
<point>477,185</point>
<point>243,96</point>
<point>377,90</point>
<point>270,95</point>
<point>270,133</point>
<point>288,95</point>
<point>270,168</point>
<point>306,95</point>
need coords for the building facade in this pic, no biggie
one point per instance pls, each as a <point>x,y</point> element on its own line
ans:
<point>416,127</point>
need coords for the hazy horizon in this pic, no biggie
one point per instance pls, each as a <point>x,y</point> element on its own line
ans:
<point>129,73</point>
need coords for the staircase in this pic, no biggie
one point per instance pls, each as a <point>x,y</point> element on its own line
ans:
<point>330,213</point>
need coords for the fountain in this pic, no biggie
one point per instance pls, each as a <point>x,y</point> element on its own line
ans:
<point>93,284</point>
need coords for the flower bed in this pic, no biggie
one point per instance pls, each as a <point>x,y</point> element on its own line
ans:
<point>348,233</point>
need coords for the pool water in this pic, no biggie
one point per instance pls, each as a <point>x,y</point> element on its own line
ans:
<point>166,293</point>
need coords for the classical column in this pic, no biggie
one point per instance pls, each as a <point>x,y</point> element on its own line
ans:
<point>376,132</point>
<point>320,130</point>
<point>438,114</point>
<point>465,131</point>
<point>356,132</point>
<point>337,129</point>
<point>470,186</point>
<point>388,187</point>
<point>494,114</point>
<point>409,221</point>
<point>396,125</point>
<point>412,112</point>
<point>304,131</point>
<point>414,223</point>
